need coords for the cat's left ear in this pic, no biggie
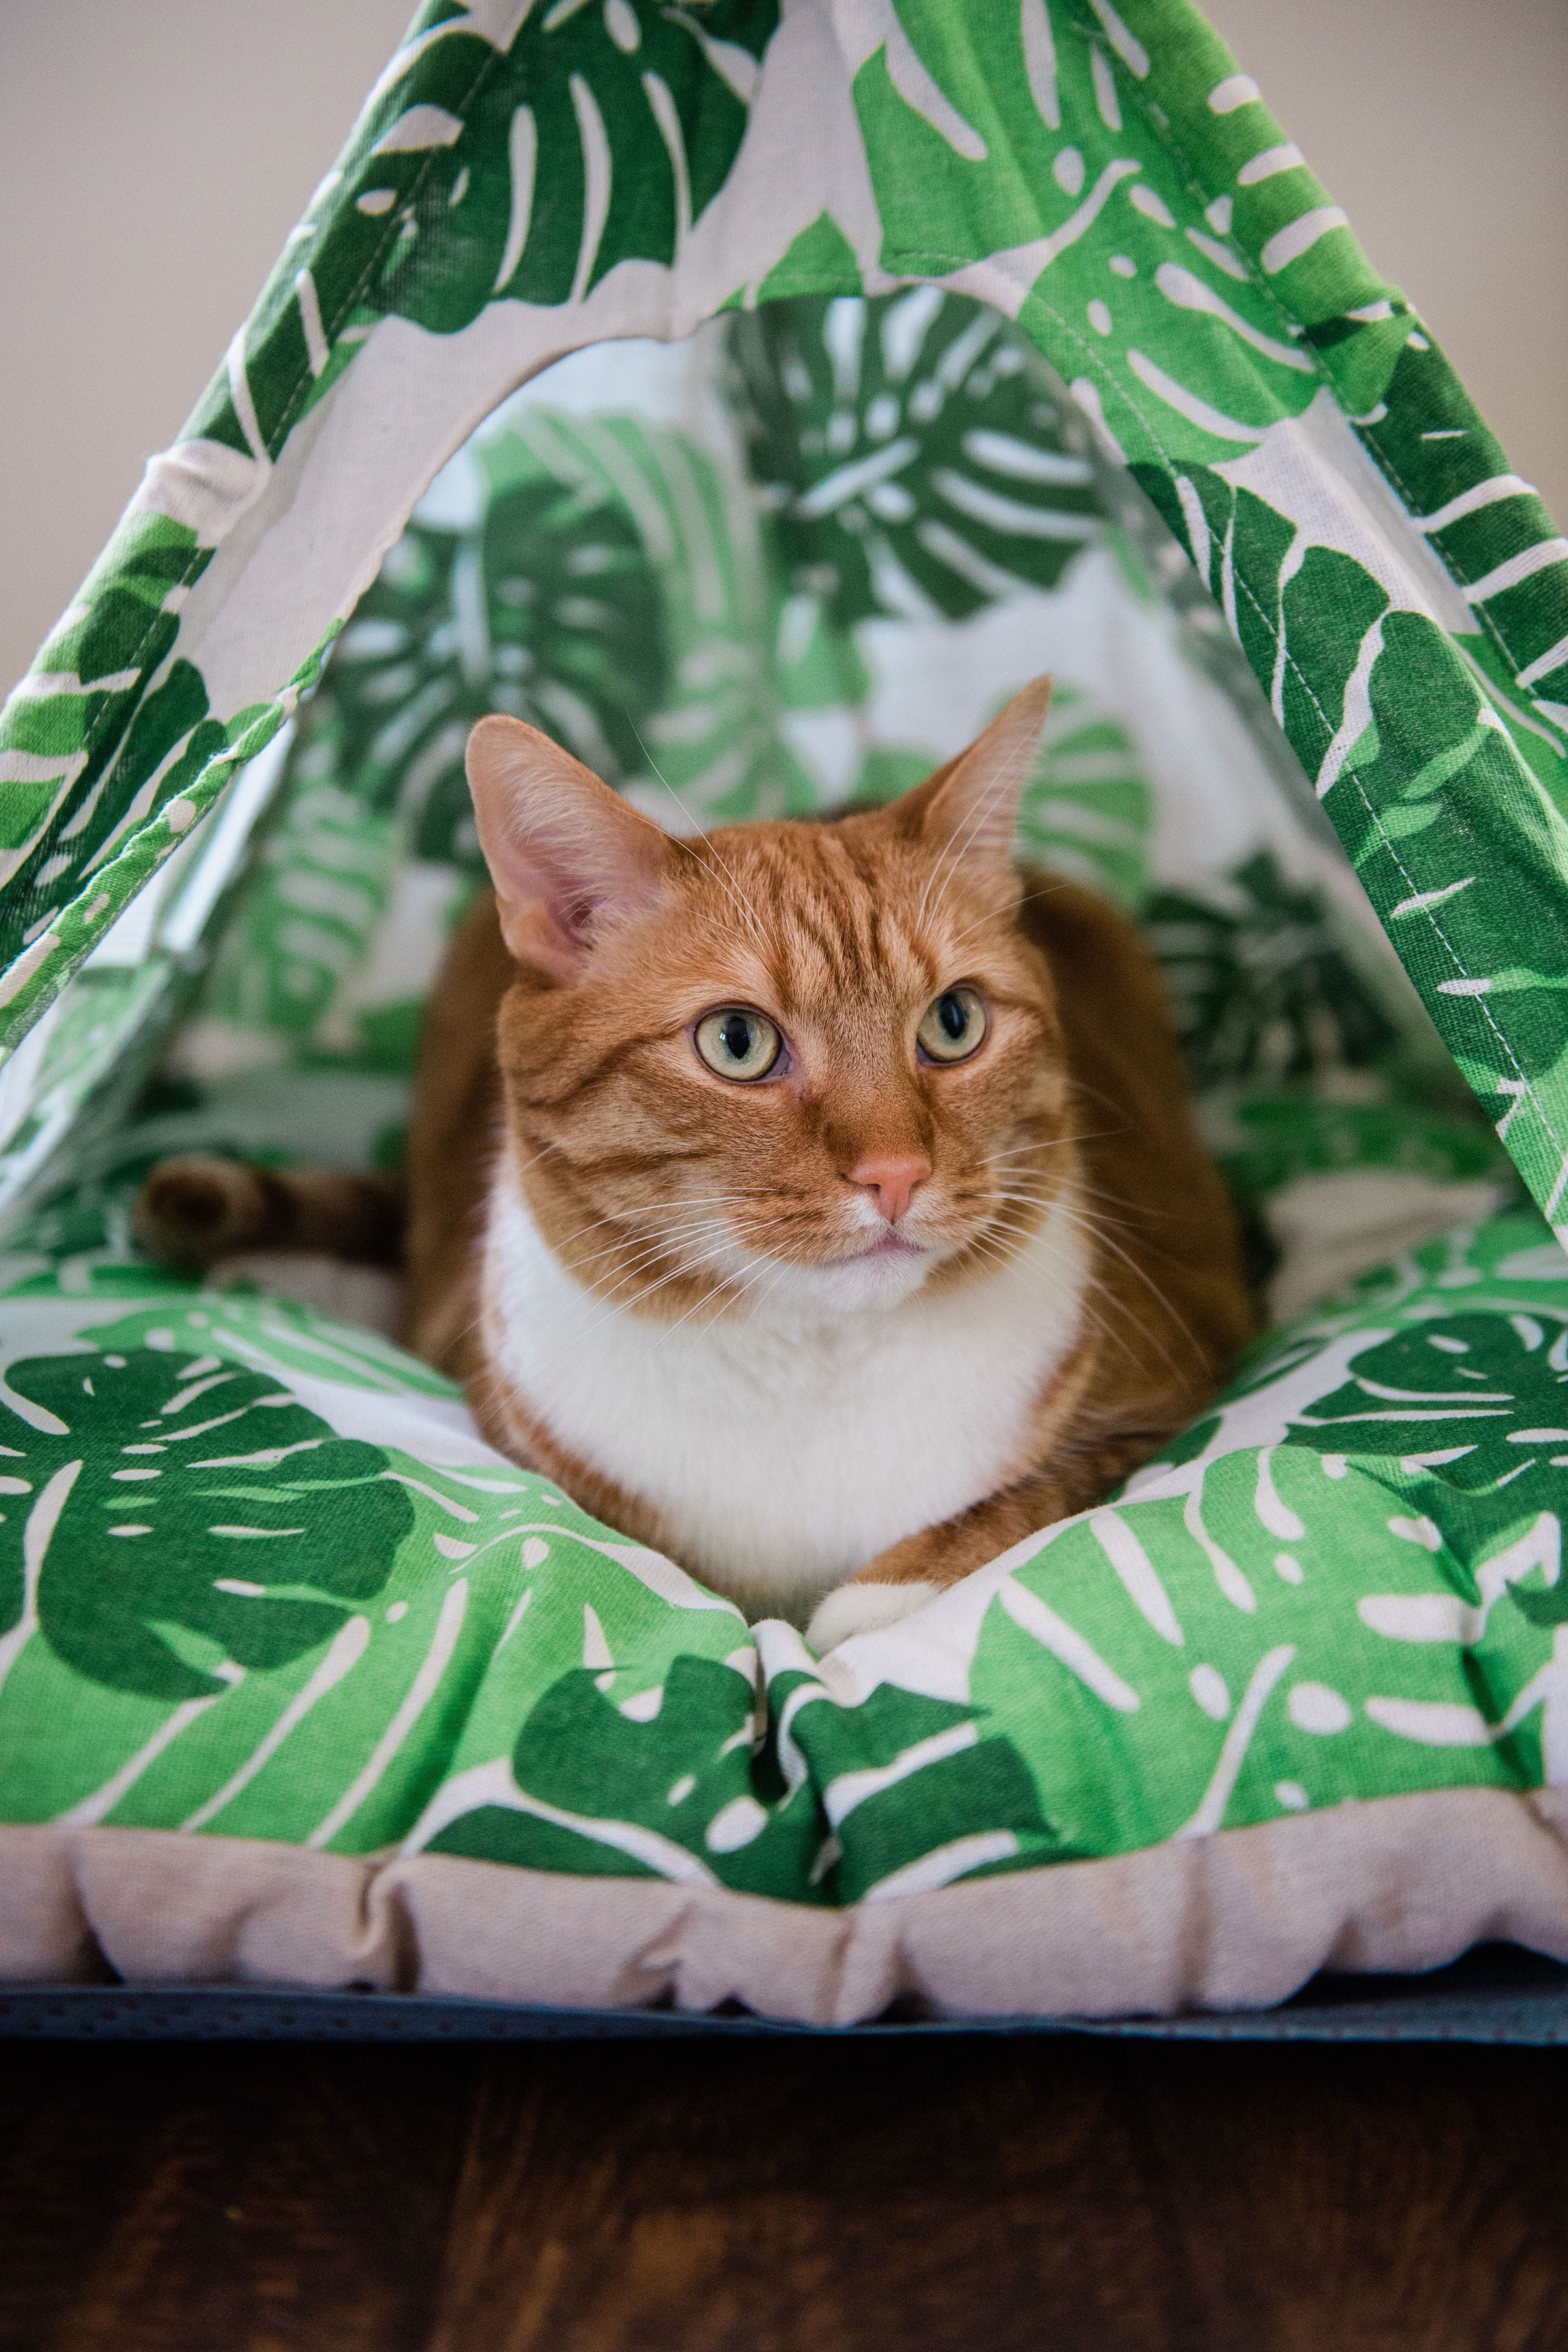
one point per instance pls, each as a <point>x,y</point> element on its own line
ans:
<point>567,856</point>
<point>971,806</point>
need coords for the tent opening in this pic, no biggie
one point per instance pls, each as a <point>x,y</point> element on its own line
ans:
<point>787,565</point>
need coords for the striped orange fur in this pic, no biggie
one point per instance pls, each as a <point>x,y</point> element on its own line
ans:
<point>561,1073</point>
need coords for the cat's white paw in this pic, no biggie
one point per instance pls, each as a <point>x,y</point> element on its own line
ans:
<point>859,1608</point>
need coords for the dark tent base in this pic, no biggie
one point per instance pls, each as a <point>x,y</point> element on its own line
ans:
<point>1497,1993</point>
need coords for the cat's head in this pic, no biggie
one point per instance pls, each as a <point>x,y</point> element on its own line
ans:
<point>814,1064</point>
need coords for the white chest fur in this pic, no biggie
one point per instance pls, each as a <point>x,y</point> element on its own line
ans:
<point>784,1455</point>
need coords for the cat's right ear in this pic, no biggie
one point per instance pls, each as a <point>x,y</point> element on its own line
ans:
<point>969,808</point>
<point>566,854</point>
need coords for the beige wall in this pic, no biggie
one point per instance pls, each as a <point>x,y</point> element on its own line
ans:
<point>1441,126</point>
<point>154,153</point>
<point>154,156</point>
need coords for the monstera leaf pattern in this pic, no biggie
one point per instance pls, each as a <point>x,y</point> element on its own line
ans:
<point>705,747</point>
<point>1261,986</point>
<point>548,608</point>
<point>978,1799</point>
<point>474,177</point>
<point>1450,807</point>
<point>911,452</point>
<point>598,1789</point>
<point>1087,809</point>
<point>321,886</point>
<point>109,755</point>
<point>1474,1404</point>
<point>186,1519</point>
<point>454,192</point>
<point>594,1787</point>
<point>1344,1584</point>
<point>58,742</point>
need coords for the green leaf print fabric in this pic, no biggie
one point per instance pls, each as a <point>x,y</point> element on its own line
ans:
<point>755,398</point>
<point>260,1580</point>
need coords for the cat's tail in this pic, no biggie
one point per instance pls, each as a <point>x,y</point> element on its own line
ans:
<point>197,1208</point>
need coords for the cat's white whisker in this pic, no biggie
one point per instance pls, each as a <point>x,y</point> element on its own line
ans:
<point>741,1286</point>
<point>723,1294</point>
<point>1090,1285</point>
<point>616,1306</point>
<point>995,914</point>
<point>1046,1143</point>
<point>686,1269</point>
<point>1153,1289</point>
<point>1106,1331</point>
<point>641,1238</point>
<point>726,874</point>
<point>764,1297</point>
<point>1013,768</point>
<point>1141,1210</point>
<point>634,1256</point>
<point>640,1208</point>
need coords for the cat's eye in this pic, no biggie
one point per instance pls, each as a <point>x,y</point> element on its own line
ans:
<point>954,1026</point>
<point>738,1044</point>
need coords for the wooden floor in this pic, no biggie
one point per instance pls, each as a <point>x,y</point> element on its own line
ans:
<point>782,2198</point>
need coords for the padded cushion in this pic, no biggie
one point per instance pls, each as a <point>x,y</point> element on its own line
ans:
<point>397,1712</point>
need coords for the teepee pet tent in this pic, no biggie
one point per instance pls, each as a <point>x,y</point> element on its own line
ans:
<point>755,396</point>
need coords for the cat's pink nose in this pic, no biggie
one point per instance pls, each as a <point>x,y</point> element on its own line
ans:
<point>891,1182</point>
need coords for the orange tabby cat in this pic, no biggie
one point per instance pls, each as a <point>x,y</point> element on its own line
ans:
<point>818,1203</point>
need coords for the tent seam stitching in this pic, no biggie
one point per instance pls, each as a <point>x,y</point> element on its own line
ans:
<point>346,307</point>
<point>192,570</point>
<point>1167,140</point>
<point>1282,647</point>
